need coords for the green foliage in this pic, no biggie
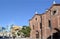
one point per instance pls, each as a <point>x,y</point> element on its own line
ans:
<point>26,31</point>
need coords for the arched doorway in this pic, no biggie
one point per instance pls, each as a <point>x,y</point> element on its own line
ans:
<point>55,35</point>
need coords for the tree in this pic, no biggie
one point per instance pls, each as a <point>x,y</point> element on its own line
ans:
<point>25,30</point>
<point>19,32</point>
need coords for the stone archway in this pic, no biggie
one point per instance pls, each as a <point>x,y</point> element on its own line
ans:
<point>55,35</point>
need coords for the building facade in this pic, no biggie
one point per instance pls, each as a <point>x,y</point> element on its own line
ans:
<point>43,25</point>
<point>14,30</point>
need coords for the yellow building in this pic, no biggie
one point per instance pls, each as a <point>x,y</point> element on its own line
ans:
<point>15,29</point>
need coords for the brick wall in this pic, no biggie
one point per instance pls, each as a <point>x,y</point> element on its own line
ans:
<point>52,15</point>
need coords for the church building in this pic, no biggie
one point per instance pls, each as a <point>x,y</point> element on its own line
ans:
<point>44,25</point>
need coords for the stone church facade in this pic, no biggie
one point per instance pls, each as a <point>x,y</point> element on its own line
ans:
<point>43,25</point>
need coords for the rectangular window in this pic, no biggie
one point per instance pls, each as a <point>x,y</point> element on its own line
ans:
<point>40,25</point>
<point>33,26</point>
<point>37,34</point>
<point>49,23</point>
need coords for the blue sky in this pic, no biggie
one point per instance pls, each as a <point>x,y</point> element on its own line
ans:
<point>19,12</point>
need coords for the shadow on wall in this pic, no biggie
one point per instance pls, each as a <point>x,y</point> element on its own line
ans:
<point>55,35</point>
